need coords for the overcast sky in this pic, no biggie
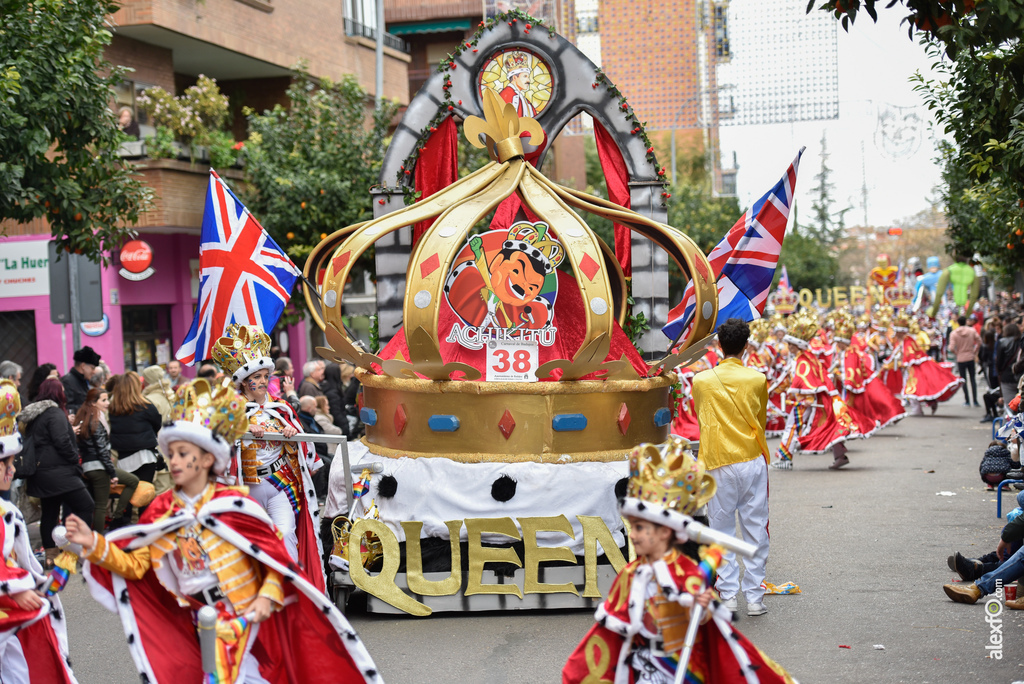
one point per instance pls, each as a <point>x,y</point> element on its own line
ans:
<point>875,64</point>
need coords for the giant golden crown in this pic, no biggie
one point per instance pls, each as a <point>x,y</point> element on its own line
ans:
<point>406,399</point>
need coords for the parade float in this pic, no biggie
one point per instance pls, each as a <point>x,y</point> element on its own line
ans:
<point>500,416</point>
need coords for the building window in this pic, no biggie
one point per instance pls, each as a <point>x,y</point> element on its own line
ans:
<point>147,336</point>
<point>586,21</point>
<point>126,94</point>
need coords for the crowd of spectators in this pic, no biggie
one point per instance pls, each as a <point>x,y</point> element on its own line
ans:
<point>95,432</point>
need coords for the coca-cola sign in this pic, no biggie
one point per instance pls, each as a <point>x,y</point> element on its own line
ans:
<point>136,261</point>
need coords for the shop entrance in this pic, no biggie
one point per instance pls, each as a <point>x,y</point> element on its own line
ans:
<point>18,343</point>
<point>147,336</point>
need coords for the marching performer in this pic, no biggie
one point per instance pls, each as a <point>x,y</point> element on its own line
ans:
<point>278,474</point>
<point>819,420</point>
<point>872,406</point>
<point>642,624</point>
<point>33,633</point>
<point>924,380</point>
<point>207,544</point>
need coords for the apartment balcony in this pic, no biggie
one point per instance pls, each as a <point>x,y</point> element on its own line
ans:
<point>233,40</point>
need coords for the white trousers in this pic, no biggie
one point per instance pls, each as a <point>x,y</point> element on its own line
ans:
<point>13,666</point>
<point>742,489</point>
<point>281,512</point>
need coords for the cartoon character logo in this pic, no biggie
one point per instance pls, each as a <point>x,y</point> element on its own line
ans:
<point>507,279</point>
<point>520,78</point>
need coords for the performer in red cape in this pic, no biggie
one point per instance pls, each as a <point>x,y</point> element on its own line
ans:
<point>33,633</point>
<point>207,544</point>
<point>762,356</point>
<point>642,623</point>
<point>872,406</point>
<point>924,380</point>
<point>685,423</point>
<point>819,420</point>
<point>279,475</point>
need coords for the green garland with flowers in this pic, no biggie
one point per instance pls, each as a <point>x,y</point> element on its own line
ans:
<point>447,106</point>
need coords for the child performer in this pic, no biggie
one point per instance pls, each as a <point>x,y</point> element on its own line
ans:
<point>641,626</point>
<point>33,635</point>
<point>279,475</point>
<point>207,544</point>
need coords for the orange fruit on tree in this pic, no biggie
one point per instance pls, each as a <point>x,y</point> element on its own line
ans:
<point>290,236</point>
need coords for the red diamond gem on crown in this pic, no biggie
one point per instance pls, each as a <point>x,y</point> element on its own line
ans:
<point>400,419</point>
<point>507,424</point>
<point>589,267</point>
<point>624,419</point>
<point>429,265</point>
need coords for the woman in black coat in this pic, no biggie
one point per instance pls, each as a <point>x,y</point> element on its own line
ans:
<point>58,479</point>
<point>134,422</point>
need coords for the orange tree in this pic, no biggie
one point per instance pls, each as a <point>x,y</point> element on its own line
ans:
<point>58,136</point>
<point>310,166</point>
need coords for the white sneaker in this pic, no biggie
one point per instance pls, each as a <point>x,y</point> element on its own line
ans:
<point>782,464</point>
<point>755,609</point>
<point>732,604</point>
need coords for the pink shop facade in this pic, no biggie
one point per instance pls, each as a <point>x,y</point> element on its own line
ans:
<point>145,319</point>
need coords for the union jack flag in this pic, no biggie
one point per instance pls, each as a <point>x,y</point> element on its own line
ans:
<point>244,276</point>
<point>784,281</point>
<point>744,261</point>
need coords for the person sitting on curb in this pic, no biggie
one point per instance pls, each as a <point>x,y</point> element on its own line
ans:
<point>1010,570</point>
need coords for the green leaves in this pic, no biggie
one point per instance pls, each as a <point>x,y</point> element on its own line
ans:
<point>310,167</point>
<point>59,139</point>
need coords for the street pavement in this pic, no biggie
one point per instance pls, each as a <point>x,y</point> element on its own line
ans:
<point>867,545</point>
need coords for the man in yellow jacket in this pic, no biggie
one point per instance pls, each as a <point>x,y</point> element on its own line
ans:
<point>732,407</point>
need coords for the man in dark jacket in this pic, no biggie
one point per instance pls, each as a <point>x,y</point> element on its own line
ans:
<point>76,382</point>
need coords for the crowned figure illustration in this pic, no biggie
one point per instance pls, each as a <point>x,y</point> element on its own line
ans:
<point>517,70</point>
<point>506,279</point>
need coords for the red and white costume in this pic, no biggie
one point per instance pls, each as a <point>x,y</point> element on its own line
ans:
<point>33,643</point>
<point>307,641</point>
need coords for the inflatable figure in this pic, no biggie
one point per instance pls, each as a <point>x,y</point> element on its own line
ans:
<point>966,286</point>
<point>927,284</point>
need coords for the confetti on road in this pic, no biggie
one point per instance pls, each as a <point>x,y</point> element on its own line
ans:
<point>879,647</point>
<point>845,646</point>
<point>945,493</point>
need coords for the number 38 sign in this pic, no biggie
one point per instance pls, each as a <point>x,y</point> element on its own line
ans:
<point>511,361</point>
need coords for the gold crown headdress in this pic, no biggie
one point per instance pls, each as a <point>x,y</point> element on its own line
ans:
<point>10,407</point>
<point>516,63</point>
<point>242,351</point>
<point>802,327</point>
<point>844,328</point>
<point>667,484</point>
<point>533,240</point>
<point>211,416</point>
<point>785,301</point>
<point>901,322</point>
<point>900,295</point>
<point>759,331</point>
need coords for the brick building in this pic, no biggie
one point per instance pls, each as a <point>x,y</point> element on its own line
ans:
<point>433,30</point>
<point>248,46</point>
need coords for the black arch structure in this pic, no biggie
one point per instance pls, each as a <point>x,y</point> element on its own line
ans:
<point>573,76</point>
